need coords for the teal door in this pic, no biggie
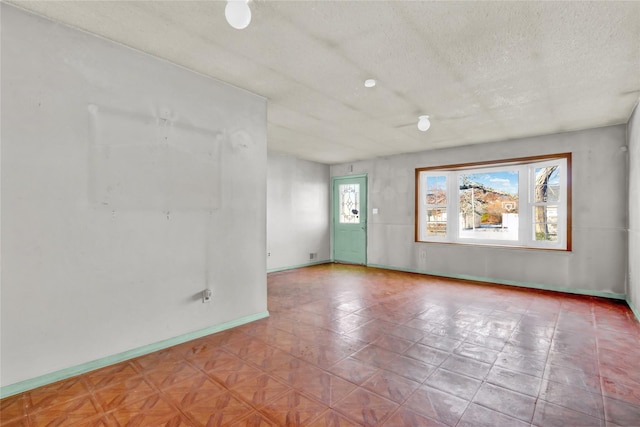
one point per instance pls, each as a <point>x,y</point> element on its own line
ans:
<point>350,219</point>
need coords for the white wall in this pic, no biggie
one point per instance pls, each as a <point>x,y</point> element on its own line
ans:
<point>633,136</point>
<point>297,211</point>
<point>128,186</point>
<point>599,259</point>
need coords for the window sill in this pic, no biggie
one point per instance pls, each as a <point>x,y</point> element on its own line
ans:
<point>492,245</point>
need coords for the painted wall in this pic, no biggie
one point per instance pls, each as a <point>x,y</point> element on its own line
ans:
<point>599,259</point>
<point>297,212</point>
<point>129,185</point>
<point>633,136</point>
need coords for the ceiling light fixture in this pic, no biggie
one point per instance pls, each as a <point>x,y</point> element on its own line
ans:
<point>369,83</point>
<point>423,123</point>
<point>238,13</point>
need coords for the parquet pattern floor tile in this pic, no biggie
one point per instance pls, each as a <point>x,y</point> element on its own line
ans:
<point>357,346</point>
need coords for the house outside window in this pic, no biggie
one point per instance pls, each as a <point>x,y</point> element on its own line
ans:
<point>524,202</point>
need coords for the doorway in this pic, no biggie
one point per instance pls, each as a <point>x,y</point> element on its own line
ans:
<point>349,204</point>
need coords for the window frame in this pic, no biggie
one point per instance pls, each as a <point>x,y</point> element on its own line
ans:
<point>526,167</point>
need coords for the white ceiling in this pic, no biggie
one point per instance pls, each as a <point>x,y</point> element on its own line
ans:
<point>483,71</point>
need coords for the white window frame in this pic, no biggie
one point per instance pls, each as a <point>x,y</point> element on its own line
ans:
<point>526,201</point>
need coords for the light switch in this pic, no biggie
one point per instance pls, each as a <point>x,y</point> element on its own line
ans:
<point>375,211</point>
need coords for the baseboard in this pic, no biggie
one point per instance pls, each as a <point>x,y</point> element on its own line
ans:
<point>32,383</point>
<point>587,292</point>
<point>293,267</point>
<point>633,308</point>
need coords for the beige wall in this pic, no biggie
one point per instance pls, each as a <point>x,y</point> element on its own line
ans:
<point>129,185</point>
<point>297,212</point>
<point>598,262</point>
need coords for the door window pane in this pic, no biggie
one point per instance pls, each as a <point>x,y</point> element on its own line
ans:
<point>349,199</point>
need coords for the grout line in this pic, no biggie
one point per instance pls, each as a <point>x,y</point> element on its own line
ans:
<point>601,381</point>
<point>546,363</point>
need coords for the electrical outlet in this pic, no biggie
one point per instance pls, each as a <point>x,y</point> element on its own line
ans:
<point>268,254</point>
<point>207,294</point>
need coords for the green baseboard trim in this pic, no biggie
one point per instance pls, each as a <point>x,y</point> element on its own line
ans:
<point>633,308</point>
<point>293,267</point>
<point>602,294</point>
<point>32,383</point>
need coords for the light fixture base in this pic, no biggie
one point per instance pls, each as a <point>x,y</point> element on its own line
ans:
<point>424,123</point>
<point>238,13</point>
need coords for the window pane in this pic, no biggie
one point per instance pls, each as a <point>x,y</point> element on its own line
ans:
<point>548,232</point>
<point>546,214</point>
<point>349,198</point>
<point>547,187</point>
<point>546,222</point>
<point>436,202</point>
<point>436,190</point>
<point>437,222</point>
<point>489,205</point>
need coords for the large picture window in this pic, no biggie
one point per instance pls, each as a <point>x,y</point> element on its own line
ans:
<point>523,202</point>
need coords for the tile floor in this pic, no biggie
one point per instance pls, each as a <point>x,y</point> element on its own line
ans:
<point>350,346</point>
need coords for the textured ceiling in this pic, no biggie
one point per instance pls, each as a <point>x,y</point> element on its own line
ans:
<point>483,71</point>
